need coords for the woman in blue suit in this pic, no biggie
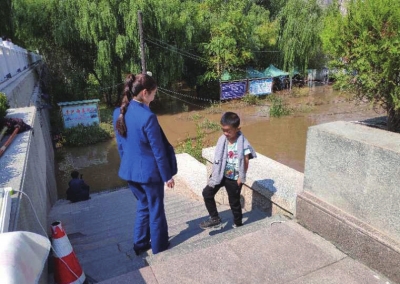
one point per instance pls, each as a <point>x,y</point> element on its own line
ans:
<point>145,162</point>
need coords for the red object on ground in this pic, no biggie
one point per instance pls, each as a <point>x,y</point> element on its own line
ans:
<point>8,142</point>
<point>67,269</point>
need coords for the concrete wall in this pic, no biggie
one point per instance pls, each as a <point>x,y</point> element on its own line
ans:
<point>270,186</point>
<point>28,163</point>
<point>20,88</point>
<point>28,166</point>
<point>351,192</point>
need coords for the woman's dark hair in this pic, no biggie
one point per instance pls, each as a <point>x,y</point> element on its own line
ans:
<point>74,174</point>
<point>231,119</point>
<point>132,87</point>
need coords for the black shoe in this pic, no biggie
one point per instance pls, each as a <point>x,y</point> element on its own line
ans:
<point>210,223</point>
<point>237,225</point>
<point>142,250</point>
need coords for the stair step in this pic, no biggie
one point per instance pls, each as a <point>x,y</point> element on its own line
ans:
<point>106,266</point>
<point>143,275</point>
<point>212,237</point>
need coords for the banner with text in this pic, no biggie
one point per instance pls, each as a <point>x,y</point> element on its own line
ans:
<point>260,86</point>
<point>86,114</point>
<point>233,90</point>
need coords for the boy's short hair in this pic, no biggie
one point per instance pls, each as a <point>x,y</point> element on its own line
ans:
<point>231,119</point>
<point>74,174</point>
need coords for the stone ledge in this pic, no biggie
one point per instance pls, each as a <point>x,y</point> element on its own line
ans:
<point>354,237</point>
<point>356,169</point>
<point>13,161</point>
<point>192,172</point>
<point>273,183</point>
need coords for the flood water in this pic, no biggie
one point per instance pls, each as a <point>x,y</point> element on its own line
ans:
<point>282,139</point>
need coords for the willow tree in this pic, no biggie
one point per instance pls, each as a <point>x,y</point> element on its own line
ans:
<point>233,31</point>
<point>364,45</point>
<point>5,18</point>
<point>98,41</point>
<point>170,35</point>
<point>300,28</point>
<point>100,29</point>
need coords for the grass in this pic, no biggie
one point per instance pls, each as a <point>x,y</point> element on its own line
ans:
<point>81,135</point>
<point>209,125</point>
<point>278,107</point>
<point>214,108</point>
<point>194,146</point>
<point>195,116</point>
<point>250,99</point>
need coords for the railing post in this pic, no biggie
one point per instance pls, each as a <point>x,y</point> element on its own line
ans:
<point>7,62</point>
<point>14,59</point>
<point>3,64</point>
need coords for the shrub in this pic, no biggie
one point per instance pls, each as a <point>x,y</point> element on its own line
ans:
<point>214,108</point>
<point>278,107</point>
<point>251,99</point>
<point>195,116</point>
<point>85,135</point>
<point>3,105</point>
<point>194,146</point>
<point>209,125</point>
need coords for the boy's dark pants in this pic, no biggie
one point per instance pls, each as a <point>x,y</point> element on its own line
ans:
<point>233,190</point>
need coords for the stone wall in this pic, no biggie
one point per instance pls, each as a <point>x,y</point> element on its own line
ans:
<point>351,192</point>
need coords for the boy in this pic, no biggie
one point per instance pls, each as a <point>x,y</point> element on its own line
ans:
<point>78,190</point>
<point>231,161</point>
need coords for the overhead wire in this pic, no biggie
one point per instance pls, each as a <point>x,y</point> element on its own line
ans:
<point>181,52</point>
<point>186,95</point>
<point>183,100</point>
<point>174,48</point>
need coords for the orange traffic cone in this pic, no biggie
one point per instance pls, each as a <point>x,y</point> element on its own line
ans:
<point>67,269</point>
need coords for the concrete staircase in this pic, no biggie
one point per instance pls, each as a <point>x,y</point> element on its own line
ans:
<point>265,250</point>
<point>184,214</point>
<point>100,230</point>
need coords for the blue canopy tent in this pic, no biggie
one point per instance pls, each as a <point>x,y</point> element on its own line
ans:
<point>252,73</point>
<point>226,76</point>
<point>272,71</point>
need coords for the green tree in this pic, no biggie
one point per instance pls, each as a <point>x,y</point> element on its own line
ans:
<point>5,19</point>
<point>236,30</point>
<point>95,43</point>
<point>364,45</point>
<point>299,35</point>
<point>273,6</point>
<point>38,26</point>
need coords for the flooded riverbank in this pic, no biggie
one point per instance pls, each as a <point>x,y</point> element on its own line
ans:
<point>282,139</point>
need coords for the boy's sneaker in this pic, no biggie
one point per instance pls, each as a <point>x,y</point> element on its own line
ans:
<point>237,225</point>
<point>210,223</point>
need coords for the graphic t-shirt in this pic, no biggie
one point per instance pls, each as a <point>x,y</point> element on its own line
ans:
<point>232,162</point>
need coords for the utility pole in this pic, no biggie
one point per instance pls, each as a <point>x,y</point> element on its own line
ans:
<point>140,23</point>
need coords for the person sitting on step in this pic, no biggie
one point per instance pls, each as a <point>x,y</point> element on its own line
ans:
<point>78,190</point>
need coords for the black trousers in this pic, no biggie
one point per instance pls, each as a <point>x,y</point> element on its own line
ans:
<point>233,190</point>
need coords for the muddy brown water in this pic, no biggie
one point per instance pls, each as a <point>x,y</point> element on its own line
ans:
<point>282,139</point>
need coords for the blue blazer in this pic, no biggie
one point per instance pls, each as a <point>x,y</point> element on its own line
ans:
<point>145,158</point>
